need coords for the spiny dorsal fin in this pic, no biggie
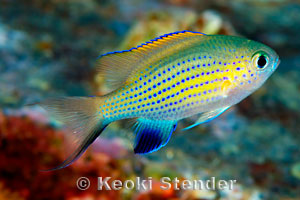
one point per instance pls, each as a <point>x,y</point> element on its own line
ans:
<point>117,66</point>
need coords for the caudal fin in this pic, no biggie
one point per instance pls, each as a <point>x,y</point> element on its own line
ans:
<point>80,115</point>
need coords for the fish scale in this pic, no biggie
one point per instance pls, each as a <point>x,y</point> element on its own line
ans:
<point>172,77</point>
<point>174,89</point>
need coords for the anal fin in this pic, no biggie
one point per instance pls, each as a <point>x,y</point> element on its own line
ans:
<point>151,135</point>
<point>207,116</point>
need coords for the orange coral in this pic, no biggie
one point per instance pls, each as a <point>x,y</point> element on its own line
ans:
<point>27,147</point>
<point>7,194</point>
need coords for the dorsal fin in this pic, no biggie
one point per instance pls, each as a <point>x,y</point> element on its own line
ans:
<point>117,66</point>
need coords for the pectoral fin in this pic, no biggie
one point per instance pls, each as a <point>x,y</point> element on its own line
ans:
<point>207,116</point>
<point>151,135</point>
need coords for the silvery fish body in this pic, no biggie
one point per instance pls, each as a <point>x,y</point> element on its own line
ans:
<point>172,77</point>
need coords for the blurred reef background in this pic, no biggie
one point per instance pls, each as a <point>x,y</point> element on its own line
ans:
<point>49,48</point>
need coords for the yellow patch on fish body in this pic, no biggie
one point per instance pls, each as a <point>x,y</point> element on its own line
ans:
<point>226,85</point>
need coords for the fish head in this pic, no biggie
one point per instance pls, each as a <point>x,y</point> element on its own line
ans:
<point>249,66</point>
<point>262,63</point>
<point>253,65</point>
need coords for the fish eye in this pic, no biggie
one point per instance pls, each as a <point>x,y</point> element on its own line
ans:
<point>260,60</point>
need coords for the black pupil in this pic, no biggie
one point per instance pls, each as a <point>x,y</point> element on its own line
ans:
<point>261,61</point>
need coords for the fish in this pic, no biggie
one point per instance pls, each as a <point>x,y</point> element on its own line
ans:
<point>172,77</point>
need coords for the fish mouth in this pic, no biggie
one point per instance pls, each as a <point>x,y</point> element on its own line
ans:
<point>277,62</point>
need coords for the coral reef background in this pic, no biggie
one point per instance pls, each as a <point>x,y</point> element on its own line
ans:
<point>49,48</point>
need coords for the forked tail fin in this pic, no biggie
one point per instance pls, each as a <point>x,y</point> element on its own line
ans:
<point>80,115</point>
